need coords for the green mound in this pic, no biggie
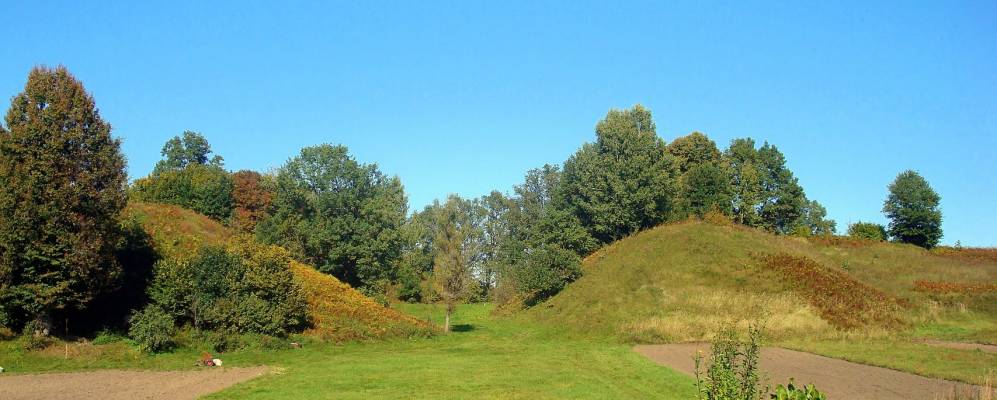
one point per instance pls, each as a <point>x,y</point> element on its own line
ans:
<point>680,282</point>
<point>337,311</point>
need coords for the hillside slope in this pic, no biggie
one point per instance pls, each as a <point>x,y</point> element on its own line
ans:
<point>337,311</point>
<point>679,282</point>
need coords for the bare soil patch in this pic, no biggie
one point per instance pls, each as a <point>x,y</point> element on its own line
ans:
<point>124,385</point>
<point>838,378</point>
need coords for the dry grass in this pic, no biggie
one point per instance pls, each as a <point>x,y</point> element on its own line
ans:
<point>840,299</point>
<point>954,287</point>
<point>177,231</point>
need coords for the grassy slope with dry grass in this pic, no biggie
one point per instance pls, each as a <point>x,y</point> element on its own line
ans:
<point>679,282</point>
<point>338,312</point>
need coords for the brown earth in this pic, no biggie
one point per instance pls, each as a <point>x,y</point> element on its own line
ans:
<point>124,385</point>
<point>839,379</point>
<point>986,348</point>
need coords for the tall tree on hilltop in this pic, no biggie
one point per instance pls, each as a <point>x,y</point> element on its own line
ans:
<point>181,151</point>
<point>706,187</point>
<point>693,149</point>
<point>624,181</point>
<point>62,183</point>
<point>746,180</point>
<point>339,215</point>
<point>912,207</point>
<point>783,199</point>
<point>251,200</point>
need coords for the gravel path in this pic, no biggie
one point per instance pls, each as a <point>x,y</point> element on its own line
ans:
<point>124,385</point>
<point>839,379</point>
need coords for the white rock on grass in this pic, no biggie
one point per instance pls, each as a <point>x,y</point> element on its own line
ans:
<point>217,361</point>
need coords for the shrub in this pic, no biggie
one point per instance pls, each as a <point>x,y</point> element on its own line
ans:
<point>246,288</point>
<point>107,337</point>
<point>546,271</point>
<point>792,392</point>
<point>732,373</point>
<point>152,328</point>
<point>868,231</point>
<point>206,189</point>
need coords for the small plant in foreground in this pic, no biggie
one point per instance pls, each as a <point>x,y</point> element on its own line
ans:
<point>152,328</point>
<point>732,373</point>
<point>793,392</point>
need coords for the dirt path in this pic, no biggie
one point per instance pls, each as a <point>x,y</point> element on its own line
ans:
<point>838,378</point>
<point>987,348</point>
<point>124,385</point>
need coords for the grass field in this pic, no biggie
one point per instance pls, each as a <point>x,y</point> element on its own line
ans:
<point>484,358</point>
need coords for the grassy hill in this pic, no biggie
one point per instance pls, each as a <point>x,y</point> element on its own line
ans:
<point>875,303</point>
<point>337,311</point>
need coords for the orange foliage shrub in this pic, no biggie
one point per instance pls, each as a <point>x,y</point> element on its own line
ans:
<point>840,299</point>
<point>340,313</point>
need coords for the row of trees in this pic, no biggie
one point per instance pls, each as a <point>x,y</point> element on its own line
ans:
<point>63,188</point>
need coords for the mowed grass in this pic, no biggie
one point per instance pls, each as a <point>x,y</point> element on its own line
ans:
<point>485,358</point>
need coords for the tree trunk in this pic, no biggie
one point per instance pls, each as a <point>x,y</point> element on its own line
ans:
<point>446,323</point>
<point>42,324</point>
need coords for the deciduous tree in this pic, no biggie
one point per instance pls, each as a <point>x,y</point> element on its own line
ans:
<point>912,207</point>
<point>62,183</point>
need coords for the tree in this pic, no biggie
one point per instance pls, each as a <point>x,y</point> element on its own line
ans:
<point>912,207</point>
<point>693,149</point>
<point>452,262</point>
<point>339,215</point>
<point>624,181</point>
<point>191,148</point>
<point>251,200</point>
<point>206,189</point>
<point>746,181</point>
<point>706,187</point>
<point>868,231</point>
<point>814,221</point>
<point>783,199</point>
<point>62,183</point>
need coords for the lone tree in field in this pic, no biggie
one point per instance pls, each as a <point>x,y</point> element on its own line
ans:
<point>62,186</point>
<point>452,278</point>
<point>912,207</point>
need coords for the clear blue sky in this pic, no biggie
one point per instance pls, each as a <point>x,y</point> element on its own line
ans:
<point>465,96</point>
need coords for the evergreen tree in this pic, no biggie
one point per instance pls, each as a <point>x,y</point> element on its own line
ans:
<point>62,183</point>
<point>912,207</point>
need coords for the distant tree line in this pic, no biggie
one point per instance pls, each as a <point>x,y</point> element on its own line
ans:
<point>63,243</point>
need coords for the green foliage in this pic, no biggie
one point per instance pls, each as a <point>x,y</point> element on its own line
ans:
<point>813,220</point>
<point>247,288</point>
<point>61,192</point>
<point>454,251</point>
<point>706,187</point>
<point>732,373</point>
<point>152,328</point>
<point>624,181</point>
<point>546,270</point>
<point>693,149</point>
<point>868,231</point>
<point>337,214</point>
<point>793,392</point>
<point>190,149</point>
<point>252,196</point>
<point>912,207</point>
<point>207,189</point>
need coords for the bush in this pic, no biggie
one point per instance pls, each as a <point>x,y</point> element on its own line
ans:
<point>868,231</point>
<point>792,392</point>
<point>206,189</point>
<point>107,337</point>
<point>547,270</point>
<point>152,328</point>
<point>733,371</point>
<point>246,288</point>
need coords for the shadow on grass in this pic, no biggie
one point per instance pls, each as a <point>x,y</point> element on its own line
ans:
<point>462,328</point>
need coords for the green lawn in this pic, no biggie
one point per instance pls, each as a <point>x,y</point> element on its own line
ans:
<point>485,358</point>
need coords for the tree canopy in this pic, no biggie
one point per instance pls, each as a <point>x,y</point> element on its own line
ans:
<point>62,183</point>
<point>913,209</point>
<point>337,214</point>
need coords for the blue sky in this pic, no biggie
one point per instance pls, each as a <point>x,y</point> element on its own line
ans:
<point>466,96</point>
